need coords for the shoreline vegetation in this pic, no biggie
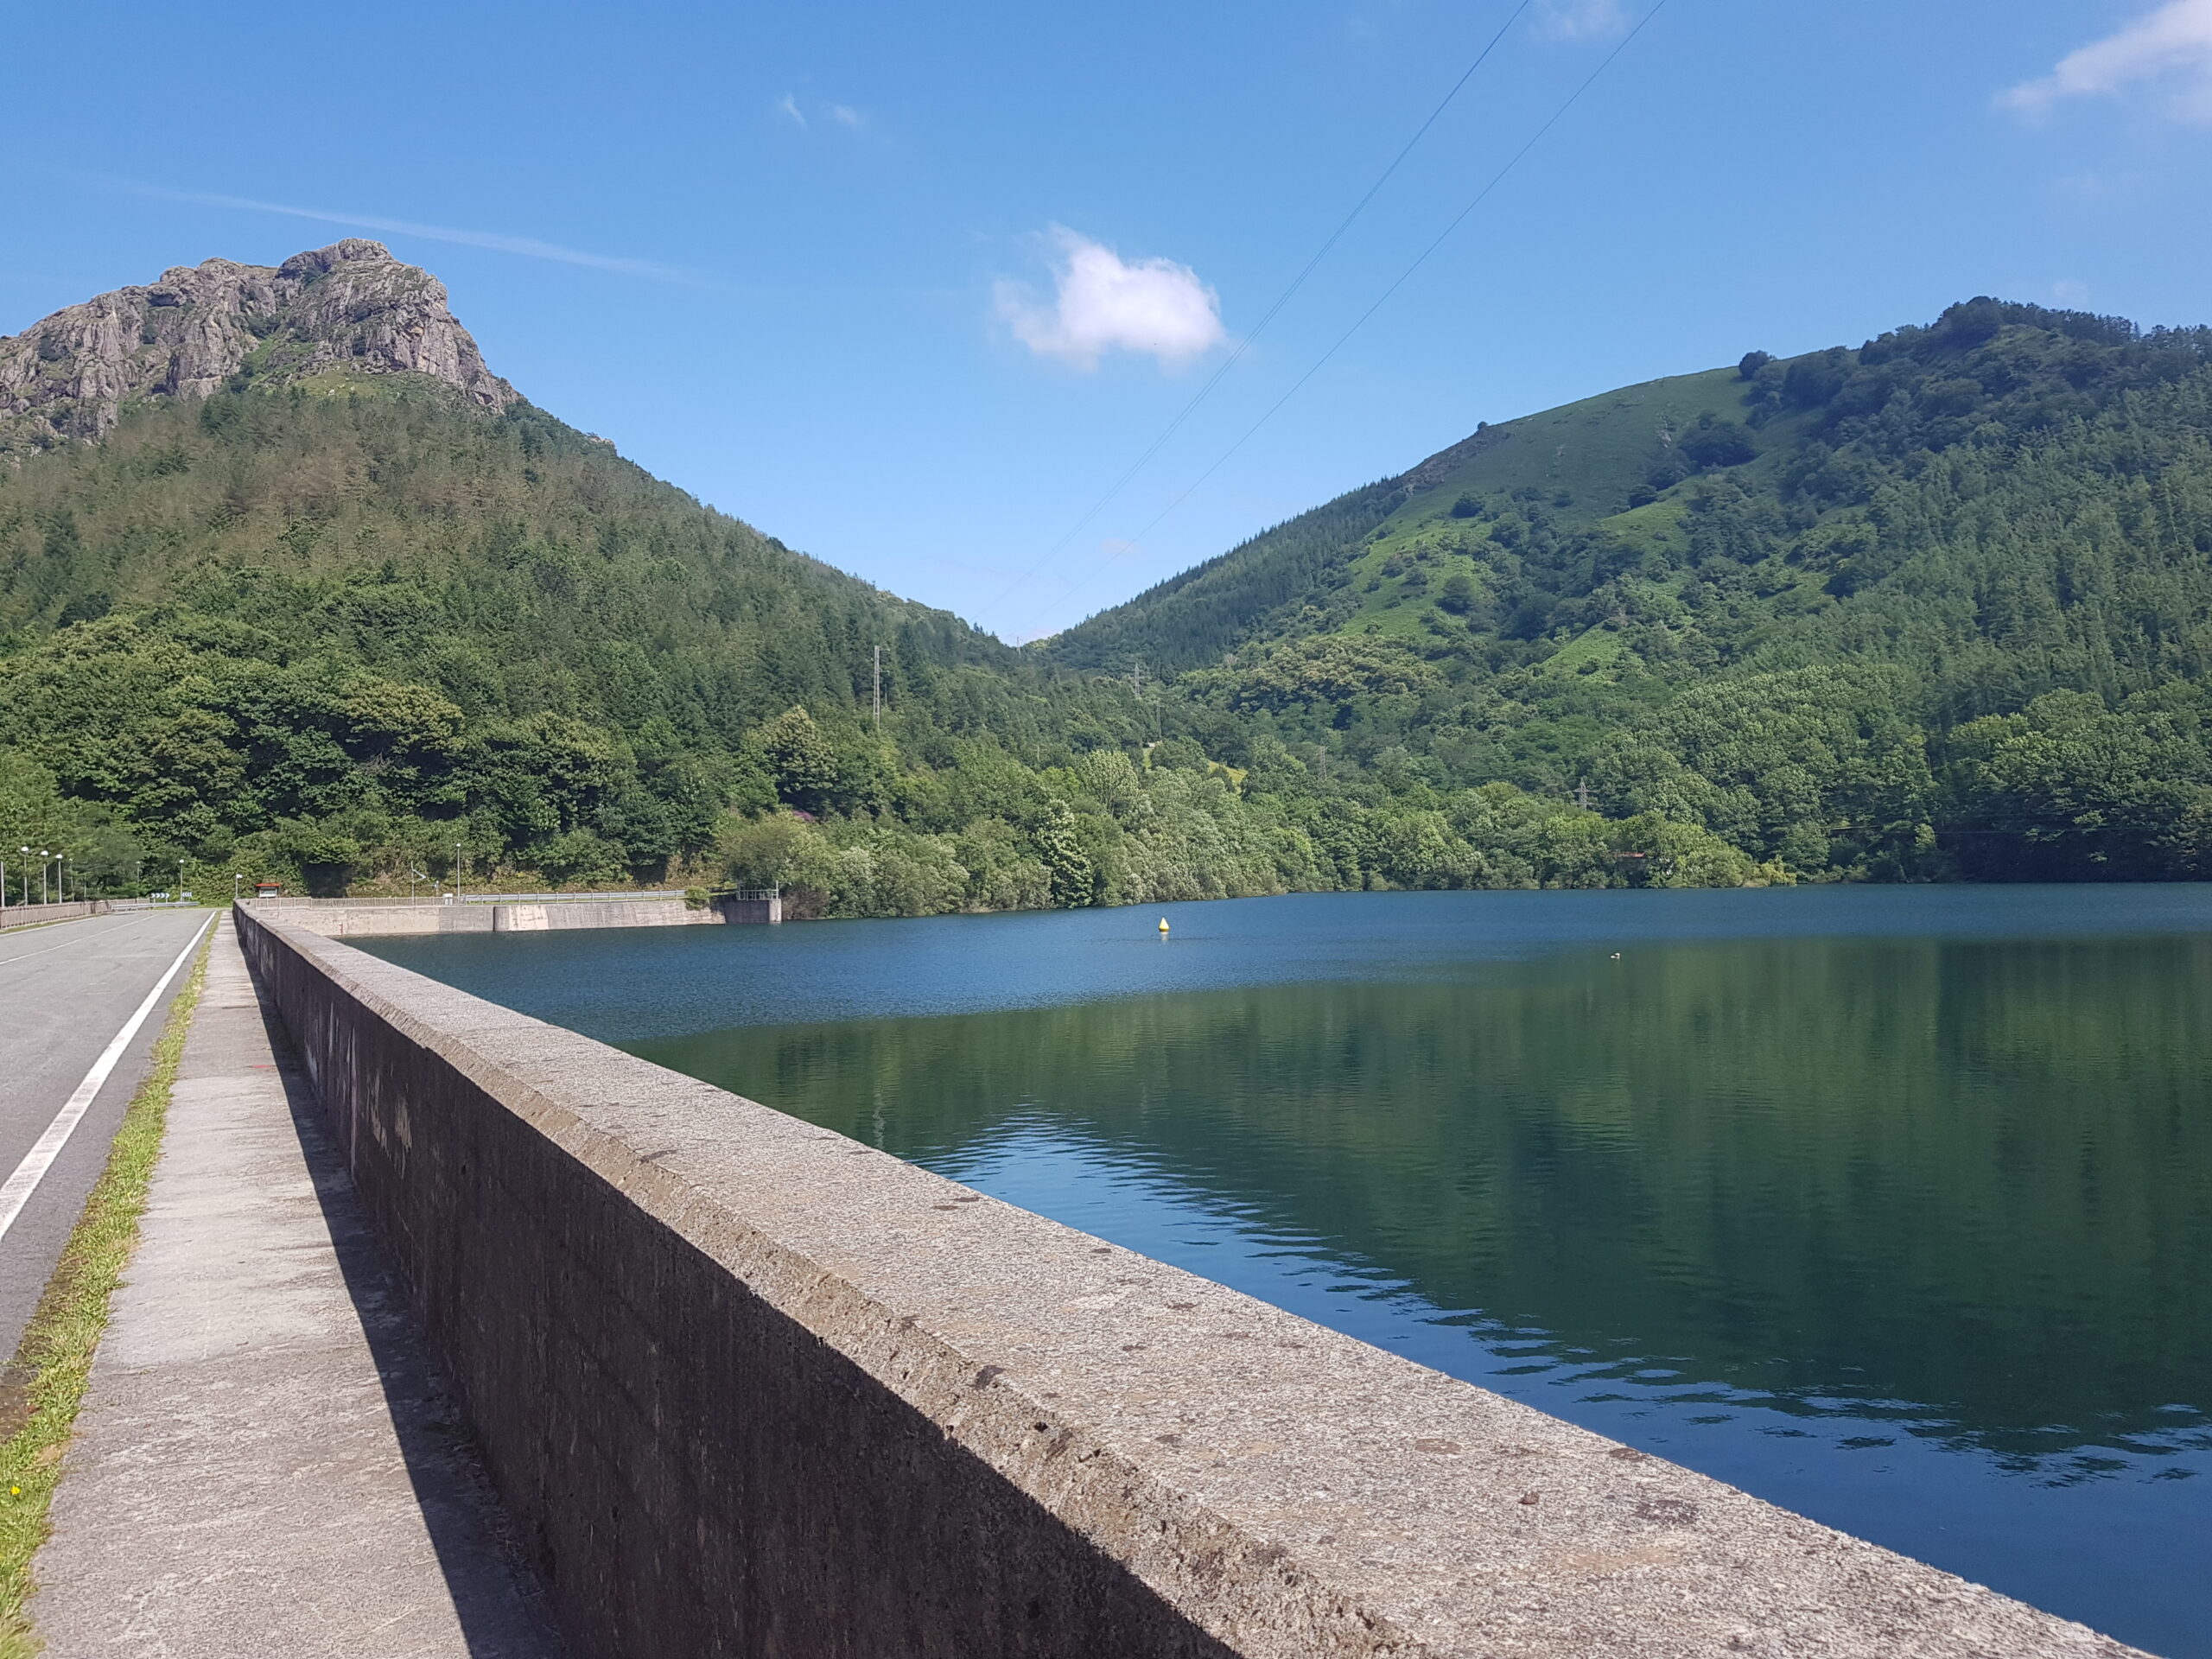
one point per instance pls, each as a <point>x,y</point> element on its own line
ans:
<point>1938,607</point>
<point>44,1382</point>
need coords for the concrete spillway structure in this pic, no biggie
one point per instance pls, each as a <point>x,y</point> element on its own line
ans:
<point>750,1387</point>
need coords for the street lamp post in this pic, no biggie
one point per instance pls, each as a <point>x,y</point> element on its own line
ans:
<point>180,882</point>
<point>236,877</point>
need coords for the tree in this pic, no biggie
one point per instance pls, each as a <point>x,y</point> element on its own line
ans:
<point>800,759</point>
<point>1067,866</point>
<point>1718,443</point>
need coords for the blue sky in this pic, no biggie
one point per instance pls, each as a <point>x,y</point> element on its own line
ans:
<point>912,286</point>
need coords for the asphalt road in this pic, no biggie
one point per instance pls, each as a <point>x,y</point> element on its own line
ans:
<point>65,990</point>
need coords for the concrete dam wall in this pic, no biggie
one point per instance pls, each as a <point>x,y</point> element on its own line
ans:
<point>749,1387</point>
<point>371,919</point>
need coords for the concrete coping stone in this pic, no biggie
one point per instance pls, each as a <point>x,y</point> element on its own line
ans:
<point>1291,1490</point>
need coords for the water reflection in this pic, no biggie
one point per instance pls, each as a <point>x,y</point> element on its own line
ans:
<point>1880,1197</point>
<point>1964,1186</point>
<point>1906,1223</point>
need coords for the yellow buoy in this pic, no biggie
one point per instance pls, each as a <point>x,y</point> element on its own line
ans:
<point>1163,927</point>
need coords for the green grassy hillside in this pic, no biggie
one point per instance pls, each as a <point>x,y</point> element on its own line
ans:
<point>1940,603</point>
<point>1585,463</point>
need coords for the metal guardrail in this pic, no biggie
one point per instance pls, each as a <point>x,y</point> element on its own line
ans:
<point>301,901</point>
<point>569,898</point>
<point>61,910</point>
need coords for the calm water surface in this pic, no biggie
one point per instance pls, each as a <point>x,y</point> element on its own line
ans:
<point>1892,1205</point>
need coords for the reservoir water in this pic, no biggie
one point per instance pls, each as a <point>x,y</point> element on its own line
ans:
<point>1892,1206</point>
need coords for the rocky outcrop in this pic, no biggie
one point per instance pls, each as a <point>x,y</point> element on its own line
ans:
<point>349,307</point>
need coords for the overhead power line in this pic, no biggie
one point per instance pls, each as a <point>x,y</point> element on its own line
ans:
<point>1404,277</point>
<point>1244,344</point>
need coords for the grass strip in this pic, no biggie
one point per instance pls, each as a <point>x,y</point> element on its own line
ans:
<point>44,1384</point>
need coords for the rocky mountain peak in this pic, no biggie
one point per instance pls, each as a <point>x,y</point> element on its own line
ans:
<point>349,307</point>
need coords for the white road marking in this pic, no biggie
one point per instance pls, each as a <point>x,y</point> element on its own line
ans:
<point>40,1159</point>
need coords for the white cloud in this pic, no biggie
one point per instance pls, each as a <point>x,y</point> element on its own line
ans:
<point>1103,304</point>
<point>1115,548</point>
<point>789,105</point>
<point>846,114</point>
<point>2172,45</point>
<point>1579,20</point>
<point>2068,291</point>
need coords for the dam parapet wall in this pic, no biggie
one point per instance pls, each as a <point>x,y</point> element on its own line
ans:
<point>399,919</point>
<point>747,1386</point>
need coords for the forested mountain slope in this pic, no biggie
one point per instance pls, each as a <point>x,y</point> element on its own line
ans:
<point>295,584</point>
<point>291,585</point>
<point>1941,604</point>
<point>308,615</point>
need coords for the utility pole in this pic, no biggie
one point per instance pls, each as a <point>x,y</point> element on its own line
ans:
<point>1136,692</point>
<point>879,688</point>
<point>1582,794</point>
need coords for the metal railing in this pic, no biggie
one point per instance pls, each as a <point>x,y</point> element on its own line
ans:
<point>287,901</point>
<point>569,898</point>
<point>306,901</point>
<point>58,910</point>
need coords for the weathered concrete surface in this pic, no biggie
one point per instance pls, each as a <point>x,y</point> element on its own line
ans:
<point>752,908</point>
<point>266,1463</point>
<point>598,913</point>
<point>357,921</point>
<point>68,910</point>
<point>750,1387</point>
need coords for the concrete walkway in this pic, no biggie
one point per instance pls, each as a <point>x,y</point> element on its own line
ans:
<point>266,1463</point>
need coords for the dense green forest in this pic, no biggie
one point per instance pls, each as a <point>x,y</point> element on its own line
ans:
<point>340,632</point>
<point>1938,606</point>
